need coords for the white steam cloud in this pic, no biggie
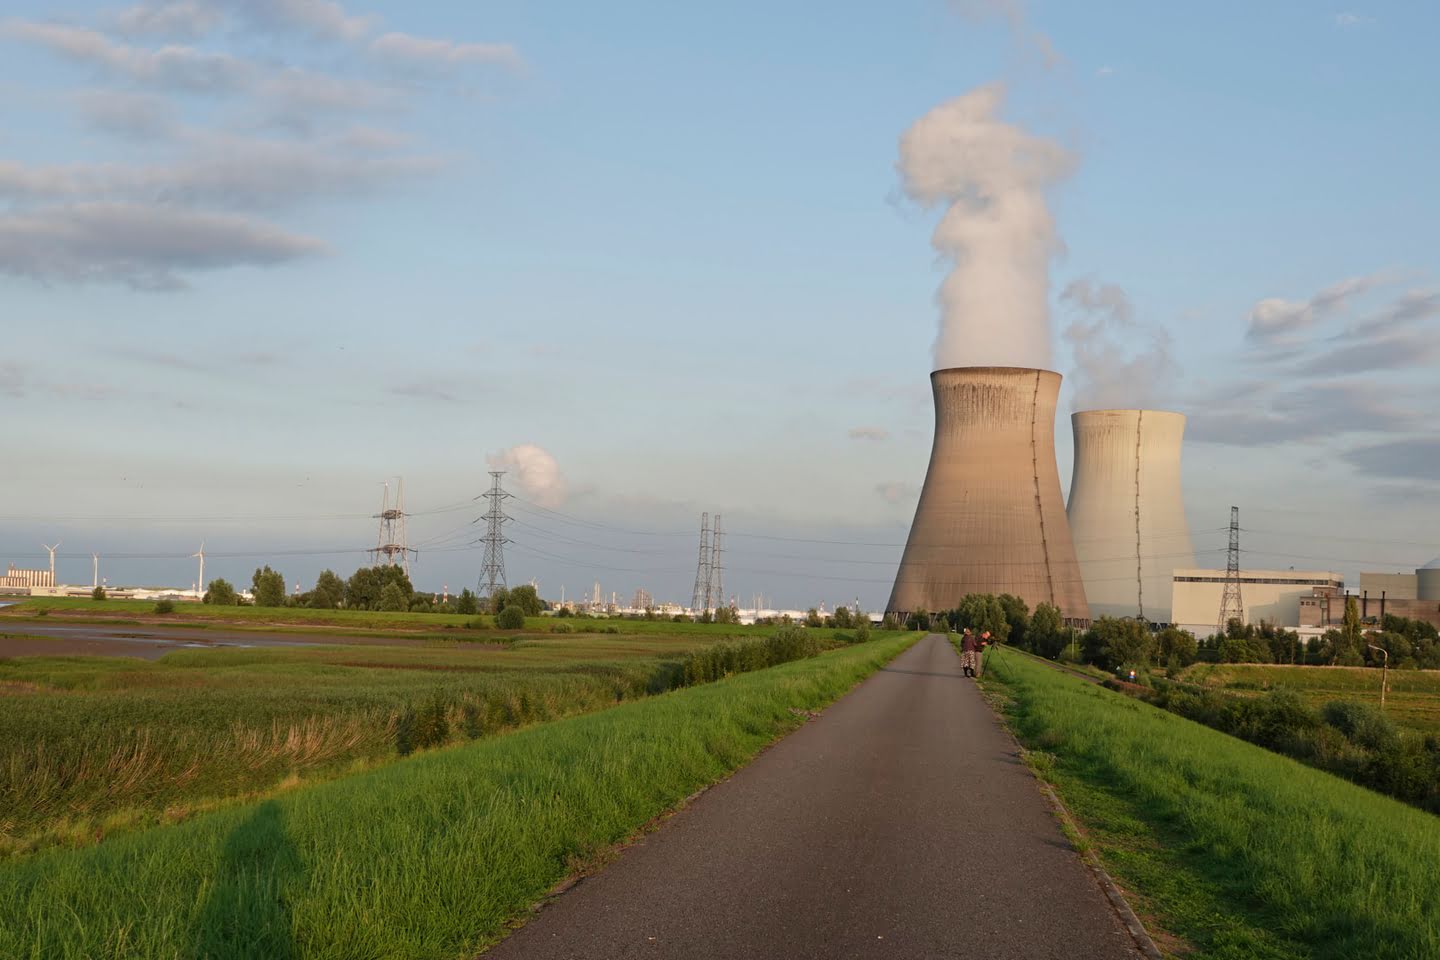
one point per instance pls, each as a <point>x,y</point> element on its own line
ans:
<point>1107,375</point>
<point>536,472</point>
<point>991,178</point>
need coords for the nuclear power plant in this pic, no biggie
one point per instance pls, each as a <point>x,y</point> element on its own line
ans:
<point>1126,510</point>
<point>990,517</point>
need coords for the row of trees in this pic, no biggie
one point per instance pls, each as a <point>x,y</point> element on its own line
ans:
<point>385,588</point>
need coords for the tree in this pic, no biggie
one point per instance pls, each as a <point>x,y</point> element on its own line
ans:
<point>843,620</point>
<point>982,613</point>
<point>812,618</point>
<point>1017,616</point>
<point>268,587</point>
<point>727,615</point>
<point>466,603</point>
<point>1046,633</point>
<point>98,593</point>
<point>1115,642</point>
<point>329,591</point>
<point>1178,646</point>
<point>525,597</point>
<point>363,589</point>
<point>499,600</point>
<point>511,618</point>
<point>392,598</point>
<point>221,594</point>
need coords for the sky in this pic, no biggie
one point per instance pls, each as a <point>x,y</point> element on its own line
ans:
<point>259,256</point>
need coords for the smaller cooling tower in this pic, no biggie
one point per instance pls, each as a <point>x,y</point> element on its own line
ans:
<point>990,518</point>
<point>1126,511</point>
<point>1427,581</point>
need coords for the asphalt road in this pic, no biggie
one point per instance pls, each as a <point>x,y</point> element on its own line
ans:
<point>899,823</point>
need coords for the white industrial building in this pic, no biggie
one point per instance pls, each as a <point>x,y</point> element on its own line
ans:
<point>1126,511</point>
<point>1270,596</point>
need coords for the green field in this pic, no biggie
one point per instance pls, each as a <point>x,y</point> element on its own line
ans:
<point>91,746</point>
<point>429,857</point>
<point>1237,851</point>
<point>351,622</point>
<point>1413,699</point>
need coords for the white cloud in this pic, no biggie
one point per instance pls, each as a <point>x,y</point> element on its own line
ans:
<point>1274,320</point>
<point>536,472</point>
<point>421,50</point>
<point>136,116</point>
<point>187,19</point>
<point>1348,20</point>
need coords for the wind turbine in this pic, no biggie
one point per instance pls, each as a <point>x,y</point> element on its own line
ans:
<point>200,587</point>
<point>52,559</point>
<point>95,581</point>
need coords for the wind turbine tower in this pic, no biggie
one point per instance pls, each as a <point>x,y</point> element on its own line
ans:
<point>52,560</point>
<point>200,585</point>
<point>95,577</point>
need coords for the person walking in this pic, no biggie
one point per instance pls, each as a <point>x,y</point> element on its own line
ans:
<point>970,653</point>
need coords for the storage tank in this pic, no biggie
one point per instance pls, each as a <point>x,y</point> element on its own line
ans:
<point>1126,510</point>
<point>1427,581</point>
<point>990,517</point>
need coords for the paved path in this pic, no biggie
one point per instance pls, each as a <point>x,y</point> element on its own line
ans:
<point>899,824</point>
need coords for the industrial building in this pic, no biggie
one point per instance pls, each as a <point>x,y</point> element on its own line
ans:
<point>1270,596</point>
<point>1127,512</point>
<point>990,517</point>
<point>18,579</point>
<point>1415,596</point>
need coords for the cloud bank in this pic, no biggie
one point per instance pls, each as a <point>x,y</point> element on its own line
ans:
<point>535,471</point>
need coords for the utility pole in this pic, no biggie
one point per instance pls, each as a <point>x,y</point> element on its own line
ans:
<point>1231,606</point>
<point>390,544</point>
<point>52,560</point>
<point>700,599</point>
<point>492,568</point>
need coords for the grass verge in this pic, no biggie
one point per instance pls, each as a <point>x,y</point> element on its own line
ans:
<point>429,857</point>
<point>1239,852</point>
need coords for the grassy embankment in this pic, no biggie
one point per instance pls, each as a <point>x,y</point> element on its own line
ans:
<point>429,857</point>
<point>1242,853</point>
<point>1413,699</point>
<point>91,746</point>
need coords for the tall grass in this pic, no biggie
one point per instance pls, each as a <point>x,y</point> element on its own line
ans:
<point>1242,852</point>
<point>429,857</point>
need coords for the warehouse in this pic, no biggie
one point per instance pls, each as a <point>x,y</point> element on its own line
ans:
<point>1270,596</point>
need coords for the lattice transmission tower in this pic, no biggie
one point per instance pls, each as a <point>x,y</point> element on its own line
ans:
<point>717,565</point>
<point>492,568</point>
<point>391,546</point>
<point>700,598</point>
<point>1231,606</point>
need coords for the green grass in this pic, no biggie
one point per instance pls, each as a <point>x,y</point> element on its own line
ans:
<point>92,746</point>
<point>429,857</point>
<point>1240,852</point>
<point>1413,699</point>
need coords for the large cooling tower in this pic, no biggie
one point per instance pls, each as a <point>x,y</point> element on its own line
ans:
<point>1126,511</point>
<point>990,518</point>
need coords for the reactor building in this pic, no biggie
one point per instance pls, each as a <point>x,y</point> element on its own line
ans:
<point>1126,510</point>
<point>990,517</point>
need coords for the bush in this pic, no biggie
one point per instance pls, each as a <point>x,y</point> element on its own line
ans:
<point>432,726</point>
<point>511,618</point>
<point>98,593</point>
<point>164,606</point>
<point>561,628</point>
<point>1362,723</point>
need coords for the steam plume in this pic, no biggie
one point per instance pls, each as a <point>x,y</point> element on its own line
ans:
<point>1106,374</point>
<point>536,472</point>
<point>991,178</point>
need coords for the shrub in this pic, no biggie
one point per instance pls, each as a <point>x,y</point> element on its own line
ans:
<point>472,724</point>
<point>405,732</point>
<point>1363,723</point>
<point>511,618</point>
<point>561,628</point>
<point>432,726</point>
<point>98,593</point>
<point>478,623</point>
<point>164,606</point>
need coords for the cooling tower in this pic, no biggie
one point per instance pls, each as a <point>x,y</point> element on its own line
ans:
<point>1126,511</point>
<point>990,517</point>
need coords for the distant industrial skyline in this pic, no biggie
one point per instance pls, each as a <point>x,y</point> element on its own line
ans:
<point>257,258</point>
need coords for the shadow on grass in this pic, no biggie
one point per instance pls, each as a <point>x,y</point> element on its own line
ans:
<point>246,913</point>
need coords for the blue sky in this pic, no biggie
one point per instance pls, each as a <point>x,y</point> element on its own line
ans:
<point>255,257</point>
